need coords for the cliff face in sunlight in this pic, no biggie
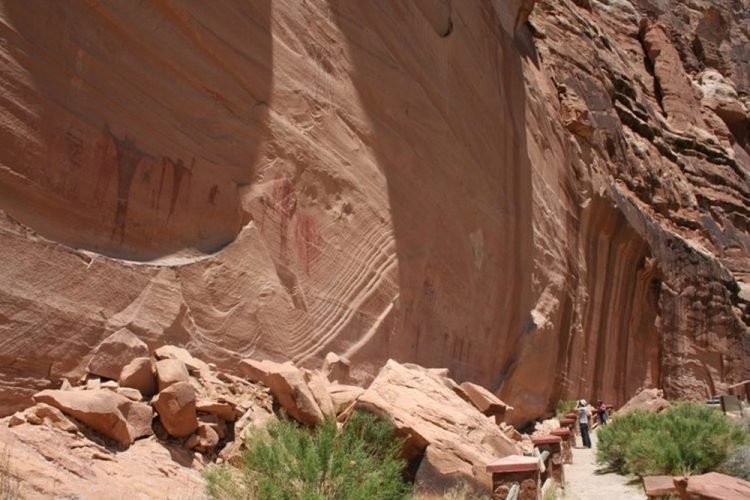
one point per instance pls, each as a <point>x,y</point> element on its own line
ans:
<point>553,208</point>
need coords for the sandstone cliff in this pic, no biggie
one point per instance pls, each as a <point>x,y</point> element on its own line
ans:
<point>552,208</point>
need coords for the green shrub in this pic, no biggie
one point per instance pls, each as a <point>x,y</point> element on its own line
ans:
<point>564,406</point>
<point>738,464</point>
<point>290,462</point>
<point>686,439</point>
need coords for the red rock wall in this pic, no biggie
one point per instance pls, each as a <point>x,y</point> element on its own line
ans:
<point>552,209</point>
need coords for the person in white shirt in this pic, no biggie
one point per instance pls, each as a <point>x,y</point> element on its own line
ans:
<point>584,417</point>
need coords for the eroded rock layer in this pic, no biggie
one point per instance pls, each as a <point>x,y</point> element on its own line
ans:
<point>555,208</point>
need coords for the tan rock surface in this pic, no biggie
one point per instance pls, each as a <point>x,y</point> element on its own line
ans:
<point>434,418</point>
<point>651,400</point>
<point>56,464</point>
<point>342,396</point>
<point>486,402</point>
<point>714,486</point>
<point>547,209</point>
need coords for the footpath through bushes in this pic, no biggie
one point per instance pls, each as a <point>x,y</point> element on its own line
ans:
<point>687,439</point>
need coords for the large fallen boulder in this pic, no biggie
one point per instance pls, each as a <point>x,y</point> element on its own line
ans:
<point>176,406</point>
<point>116,351</point>
<point>139,374</point>
<point>318,386</point>
<point>194,365</point>
<point>651,400</point>
<point>287,385</point>
<point>170,371</point>
<point>336,368</point>
<point>485,401</point>
<point>343,396</point>
<point>457,440</point>
<point>112,415</point>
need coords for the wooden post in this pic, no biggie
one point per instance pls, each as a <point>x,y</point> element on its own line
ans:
<point>515,469</point>
<point>553,444</point>
<point>567,444</point>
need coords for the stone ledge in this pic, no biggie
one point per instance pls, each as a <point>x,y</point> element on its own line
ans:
<point>514,463</point>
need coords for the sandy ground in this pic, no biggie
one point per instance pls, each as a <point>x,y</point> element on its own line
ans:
<point>585,480</point>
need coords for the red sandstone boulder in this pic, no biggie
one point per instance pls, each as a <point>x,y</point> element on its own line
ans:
<point>205,439</point>
<point>139,374</point>
<point>116,351</point>
<point>288,386</point>
<point>176,408</point>
<point>336,368</point>
<point>713,486</point>
<point>170,371</point>
<point>318,386</point>
<point>435,419</point>
<point>194,366</point>
<point>342,396</point>
<point>485,401</point>
<point>651,400</point>
<point>44,414</point>
<point>104,411</point>
<point>222,408</point>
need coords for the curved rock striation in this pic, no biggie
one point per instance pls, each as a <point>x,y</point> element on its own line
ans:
<point>550,199</point>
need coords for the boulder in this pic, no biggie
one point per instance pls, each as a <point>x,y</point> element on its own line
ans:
<point>319,388</point>
<point>336,368</point>
<point>435,419</point>
<point>194,366</point>
<point>287,385</point>
<point>222,408</point>
<point>176,408</point>
<point>651,400</point>
<point>205,439</point>
<point>42,413</point>
<point>140,416</point>
<point>342,396</point>
<point>486,402</point>
<point>116,351</point>
<point>215,422</point>
<point>170,371</point>
<point>139,374</point>
<point>102,410</point>
<point>713,486</point>
<point>130,393</point>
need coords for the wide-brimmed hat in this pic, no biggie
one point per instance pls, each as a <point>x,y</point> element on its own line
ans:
<point>582,403</point>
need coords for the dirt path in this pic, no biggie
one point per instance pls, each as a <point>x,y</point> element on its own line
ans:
<point>585,481</point>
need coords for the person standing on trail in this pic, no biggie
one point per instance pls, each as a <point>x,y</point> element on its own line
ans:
<point>601,412</point>
<point>584,417</point>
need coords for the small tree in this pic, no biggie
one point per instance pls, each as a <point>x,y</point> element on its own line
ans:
<point>290,462</point>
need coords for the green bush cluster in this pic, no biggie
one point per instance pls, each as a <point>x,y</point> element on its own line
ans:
<point>686,439</point>
<point>288,461</point>
<point>565,406</point>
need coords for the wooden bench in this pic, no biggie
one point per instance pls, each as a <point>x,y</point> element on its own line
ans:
<point>515,469</point>
<point>553,445</point>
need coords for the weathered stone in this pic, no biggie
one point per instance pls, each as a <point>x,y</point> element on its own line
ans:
<point>288,386</point>
<point>44,414</point>
<point>343,396</point>
<point>116,351</point>
<point>713,486</point>
<point>194,365</point>
<point>103,411</point>
<point>170,371</point>
<point>176,408</point>
<point>222,408</point>
<point>205,439</point>
<point>139,374</point>
<point>130,393</point>
<point>424,408</point>
<point>651,400</point>
<point>318,386</point>
<point>485,401</point>
<point>336,368</point>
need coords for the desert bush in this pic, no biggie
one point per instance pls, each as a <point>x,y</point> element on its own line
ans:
<point>288,461</point>
<point>686,439</point>
<point>738,463</point>
<point>565,406</point>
